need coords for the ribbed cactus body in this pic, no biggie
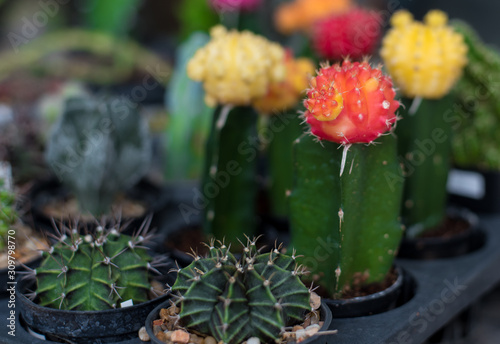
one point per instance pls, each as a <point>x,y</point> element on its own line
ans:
<point>229,186</point>
<point>350,103</point>
<point>98,149</point>
<point>352,34</point>
<point>477,111</point>
<point>93,272</point>
<point>234,299</point>
<point>347,226</point>
<point>8,214</point>
<point>424,59</point>
<point>424,149</point>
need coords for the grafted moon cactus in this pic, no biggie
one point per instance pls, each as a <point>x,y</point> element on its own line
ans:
<point>344,210</point>
<point>234,299</point>
<point>94,272</point>
<point>424,59</point>
<point>350,103</point>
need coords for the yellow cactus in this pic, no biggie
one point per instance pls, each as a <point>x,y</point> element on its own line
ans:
<point>424,59</point>
<point>236,67</point>
<point>285,94</point>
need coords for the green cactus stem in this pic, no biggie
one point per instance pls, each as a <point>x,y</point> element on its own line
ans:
<point>424,148</point>
<point>8,213</point>
<point>229,184</point>
<point>94,272</point>
<point>286,129</point>
<point>346,224</point>
<point>477,111</point>
<point>232,300</point>
<point>99,149</point>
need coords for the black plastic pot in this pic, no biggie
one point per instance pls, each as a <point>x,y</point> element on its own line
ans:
<point>428,248</point>
<point>83,327</point>
<point>398,293</point>
<point>475,189</point>
<point>152,196</point>
<point>325,316</point>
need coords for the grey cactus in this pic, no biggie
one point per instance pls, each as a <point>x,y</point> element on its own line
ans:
<point>99,149</point>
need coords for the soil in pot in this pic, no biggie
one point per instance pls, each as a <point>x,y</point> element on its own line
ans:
<point>163,326</point>
<point>85,327</point>
<point>458,234</point>
<point>397,289</point>
<point>51,200</point>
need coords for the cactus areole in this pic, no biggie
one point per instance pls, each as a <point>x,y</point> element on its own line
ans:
<point>350,103</point>
<point>232,300</point>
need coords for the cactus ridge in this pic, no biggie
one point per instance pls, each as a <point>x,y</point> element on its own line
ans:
<point>90,272</point>
<point>234,299</point>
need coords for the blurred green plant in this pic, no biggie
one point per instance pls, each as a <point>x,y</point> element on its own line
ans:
<point>111,16</point>
<point>189,121</point>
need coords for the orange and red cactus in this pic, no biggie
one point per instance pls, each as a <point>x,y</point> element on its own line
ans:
<point>350,103</point>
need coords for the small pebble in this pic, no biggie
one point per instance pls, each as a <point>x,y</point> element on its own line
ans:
<point>253,340</point>
<point>300,335</point>
<point>194,339</point>
<point>162,337</point>
<point>143,334</point>
<point>164,327</point>
<point>297,328</point>
<point>315,301</point>
<point>157,322</point>
<point>210,340</point>
<point>312,330</point>
<point>179,336</point>
<point>173,310</point>
<point>157,329</point>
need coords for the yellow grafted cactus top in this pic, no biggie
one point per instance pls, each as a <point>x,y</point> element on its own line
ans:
<point>236,67</point>
<point>285,94</point>
<point>424,59</point>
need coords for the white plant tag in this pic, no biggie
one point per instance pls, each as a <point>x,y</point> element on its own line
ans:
<point>466,183</point>
<point>6,176</point>
<point>127,303</point>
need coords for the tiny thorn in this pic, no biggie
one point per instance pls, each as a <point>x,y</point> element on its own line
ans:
<point>344,157</point>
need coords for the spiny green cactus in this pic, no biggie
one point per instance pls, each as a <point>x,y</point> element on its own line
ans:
<point>229,184</point>
<point>8,214</point>
<point>98,149</point>
<point>345,202</point>
<point>476,115</point>
<point>234,299</point>
<point>94,272</point>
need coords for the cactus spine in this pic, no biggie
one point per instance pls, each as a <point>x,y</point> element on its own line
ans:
<point>475,140</point>
<point>94,272</point>
<point>257,295</point>
<point>99,149</point>
<point>342,195</point>
<point>229,184</point>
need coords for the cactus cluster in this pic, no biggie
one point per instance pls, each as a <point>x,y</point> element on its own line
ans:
<point>342,189</point>
<point>354,33</point>
<point>477,114</point>
<point>99,148</point>
<point>233,299</point>
<point>90,272</point>
<point>424,59</point>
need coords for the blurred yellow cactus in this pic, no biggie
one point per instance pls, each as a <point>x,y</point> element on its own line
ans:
<point>285,94</point>
<point>236,67</point>
<point>424,59</point>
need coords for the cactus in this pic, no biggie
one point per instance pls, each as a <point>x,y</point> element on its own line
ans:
<point>236,68</point>
<point>94,272</point>
<point>354,33</point>
<point>425,60</point>
<point>475,117</point>
<point>99,149</point>
<point>8,213</point>
<point>342,195</point>
<point>232,300</point>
